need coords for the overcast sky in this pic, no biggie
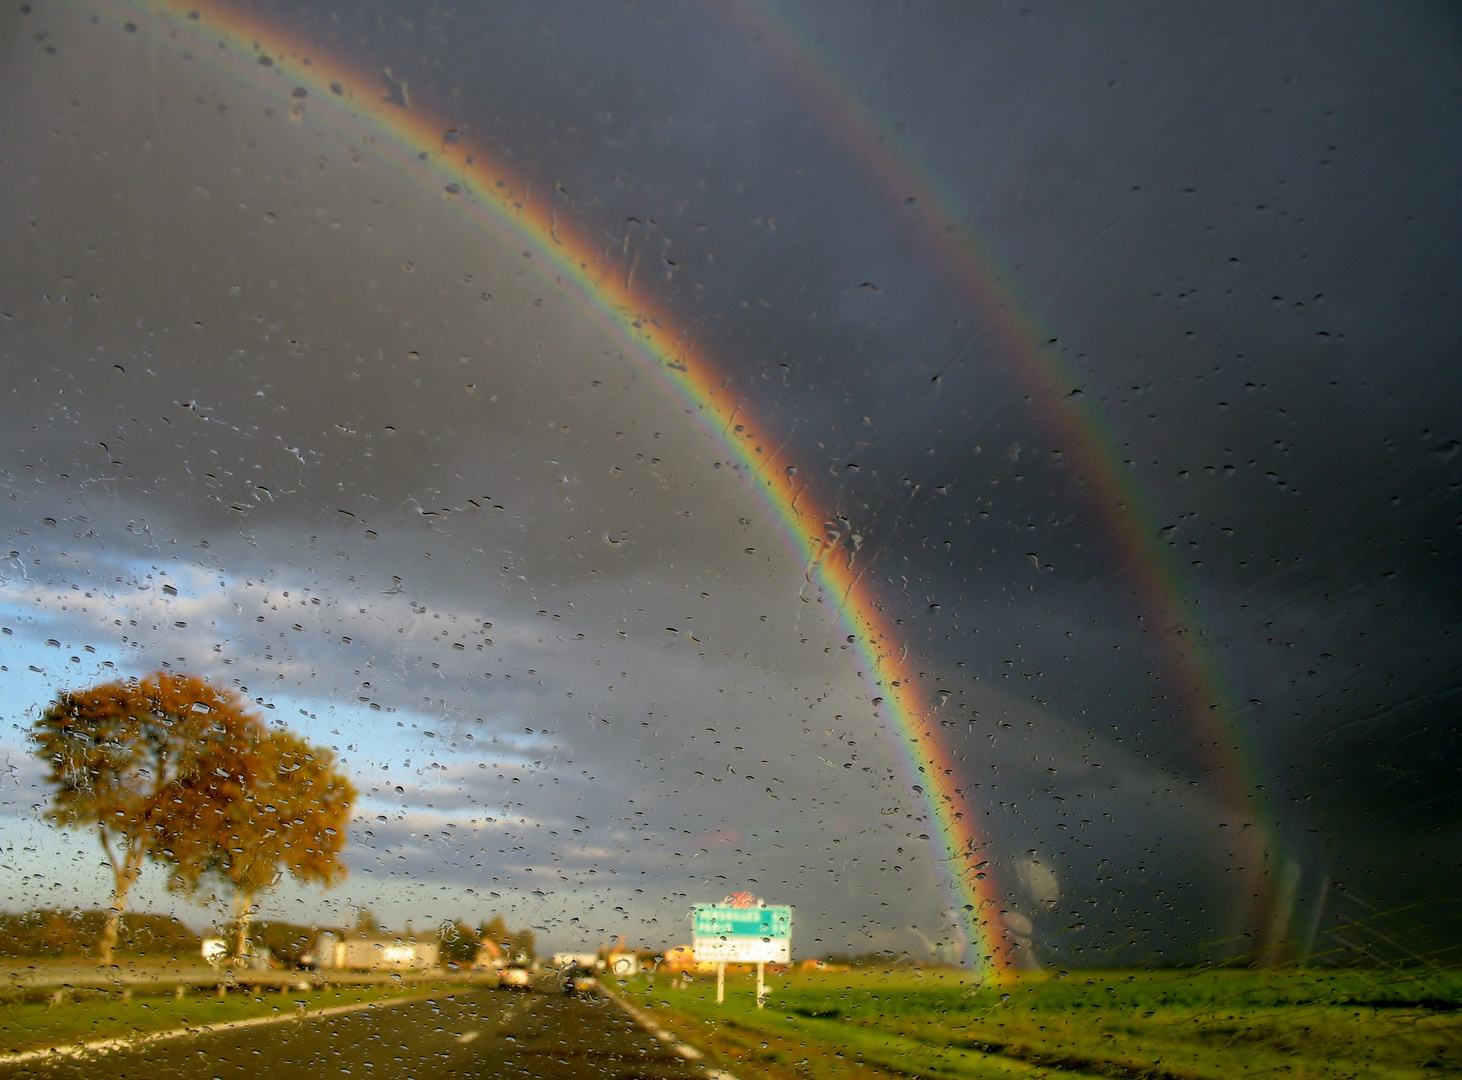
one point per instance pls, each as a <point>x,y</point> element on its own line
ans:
<point>279,413</point>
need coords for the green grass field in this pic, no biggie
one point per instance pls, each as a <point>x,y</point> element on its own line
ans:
<point>1155,1025</point>
<point>33,1025</point>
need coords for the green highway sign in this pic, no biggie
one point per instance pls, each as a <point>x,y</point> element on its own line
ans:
<point>723,920</point>
<point>735,934</point>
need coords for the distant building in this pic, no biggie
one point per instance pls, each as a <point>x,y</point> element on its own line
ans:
<point>490,955</point>
<point>622,963</point>
<point>375,954</point>
<point>215,951</point>
<point>587,961</point>
<point>680,958</point>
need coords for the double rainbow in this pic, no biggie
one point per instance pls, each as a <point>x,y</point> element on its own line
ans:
<point>309,78</point>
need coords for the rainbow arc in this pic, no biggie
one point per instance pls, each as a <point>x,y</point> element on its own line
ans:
<point>484,188</point>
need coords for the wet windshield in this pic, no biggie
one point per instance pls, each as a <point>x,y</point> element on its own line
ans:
<point>983,478</point>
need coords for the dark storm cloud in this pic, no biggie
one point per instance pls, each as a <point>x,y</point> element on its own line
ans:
<point>405,514</point>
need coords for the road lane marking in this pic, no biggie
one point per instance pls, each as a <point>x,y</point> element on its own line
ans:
<point>468,1036</point>
<point>685,1050</point>
<point>104,1046</point>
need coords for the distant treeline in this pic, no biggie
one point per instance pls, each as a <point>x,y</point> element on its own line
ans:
<point>883,959</point>
<point>56,934</point>
<point>460,942</point>
<point>46,933</point>
<point>286,942</point>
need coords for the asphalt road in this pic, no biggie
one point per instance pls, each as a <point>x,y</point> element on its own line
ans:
<point>473,1033</point>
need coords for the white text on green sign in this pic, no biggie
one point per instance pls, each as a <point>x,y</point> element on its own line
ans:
<point>722,920</point>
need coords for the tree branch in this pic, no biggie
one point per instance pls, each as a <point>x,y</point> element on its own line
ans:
<point>107,847</point>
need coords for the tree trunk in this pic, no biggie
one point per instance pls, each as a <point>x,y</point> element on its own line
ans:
<point>243,909</point>
<point>123,876</point>
<point>110,928</point>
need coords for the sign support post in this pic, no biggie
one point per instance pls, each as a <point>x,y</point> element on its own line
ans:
<point>721,982</point>
<point>761,989</point>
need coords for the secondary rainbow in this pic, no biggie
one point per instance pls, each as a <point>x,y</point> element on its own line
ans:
<point>947,234</point>
<point>311,81</point>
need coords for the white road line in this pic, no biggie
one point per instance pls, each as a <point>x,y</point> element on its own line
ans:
<point>685,1050</point>
<point>103,1046</point>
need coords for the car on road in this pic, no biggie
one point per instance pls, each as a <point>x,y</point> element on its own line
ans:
<point>577,980</point>
<point>515,977</point>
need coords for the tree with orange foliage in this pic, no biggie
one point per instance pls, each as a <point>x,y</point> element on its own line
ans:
<point>172,769</point>
<point>281,807</point>
<point>119,755</point>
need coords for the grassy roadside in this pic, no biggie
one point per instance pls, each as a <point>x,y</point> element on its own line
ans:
<point>34,1025</point>
<point>1157,1025</point>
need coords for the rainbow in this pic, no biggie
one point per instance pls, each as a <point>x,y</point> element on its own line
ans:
<point>485,189</point>
<point>948,235</point>
<point>309,79</point>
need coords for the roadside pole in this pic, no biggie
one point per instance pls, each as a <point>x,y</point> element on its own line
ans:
<point>761,989</point>
<point>721,982</point>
